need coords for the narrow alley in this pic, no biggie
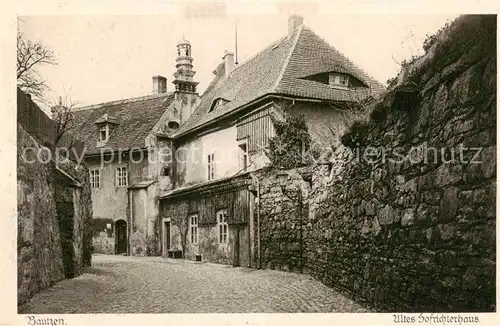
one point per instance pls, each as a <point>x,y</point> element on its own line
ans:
<point>123,284</point>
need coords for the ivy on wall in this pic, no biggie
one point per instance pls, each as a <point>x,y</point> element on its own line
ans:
<point>356,136</point>
<point>286,150</point>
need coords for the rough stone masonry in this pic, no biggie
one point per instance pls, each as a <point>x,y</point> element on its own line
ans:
<point>405,235</point>
<point>53,219</point>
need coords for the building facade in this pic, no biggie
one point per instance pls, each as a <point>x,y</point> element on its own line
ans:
<point>173,173</point>
<point>211,213</point>
<point>123,150</point>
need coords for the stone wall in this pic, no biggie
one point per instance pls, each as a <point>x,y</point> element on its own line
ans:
<point>81,199</point>
<point>48,197</point>
<point>39,253</point>
<point>34,120</point>
<point>282,214</point>
<point>406,227</point>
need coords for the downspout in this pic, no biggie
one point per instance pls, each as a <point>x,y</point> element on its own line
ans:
<point>301,215</point>
<point>258,224</point>
<point>254,178</point>
<point>131,204</point>
<point>250,233</point>
<point>147,220</point>
<point>130,222</point>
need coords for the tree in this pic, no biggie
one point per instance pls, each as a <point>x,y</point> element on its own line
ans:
<point>62,115</point>
<point>30,56</point>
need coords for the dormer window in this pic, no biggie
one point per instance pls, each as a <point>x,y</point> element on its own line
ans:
<point>336,79</point>
<point>173,125</point>
<point>105,124</point>
<point>218,102</point>
<point>104,133</point>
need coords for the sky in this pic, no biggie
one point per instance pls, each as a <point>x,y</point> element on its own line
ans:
<point>110,57</point>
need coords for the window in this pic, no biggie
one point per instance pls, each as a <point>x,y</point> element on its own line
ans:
<point>339,80</point>
<point>243,156</point>
<point>218,102</point>
<point>173,125</point>
<point>121,176</point>
<point>222,225</point>
<point>193,228</point>
<point>95,178</point>
<point>211,167</point>
<point>344,80</point>
<point>165,171</point>
<point>104,133</point>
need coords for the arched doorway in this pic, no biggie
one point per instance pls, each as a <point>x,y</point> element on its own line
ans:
<point>120,237</point>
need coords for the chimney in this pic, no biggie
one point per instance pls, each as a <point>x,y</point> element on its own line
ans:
<point>294,22</point>
<point>159,85</point>
<point>228,62</point>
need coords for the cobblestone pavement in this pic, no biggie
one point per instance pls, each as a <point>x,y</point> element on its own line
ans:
<point>120,284</point>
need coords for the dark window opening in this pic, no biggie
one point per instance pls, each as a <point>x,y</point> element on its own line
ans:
<point>104,133</point>
<point>165,171</point>
<point>211,167</point>
<point>218,102</point>
<point>322,78</point>
<point>173,125</point>
<point>243,156</point>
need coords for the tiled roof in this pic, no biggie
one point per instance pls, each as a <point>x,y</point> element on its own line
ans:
<point>279,69</point>
<point>135,118</point>
<point>314,55</point>
<point>246,82</point>
<point>207,185</point>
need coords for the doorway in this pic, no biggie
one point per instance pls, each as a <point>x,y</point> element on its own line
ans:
<point>65,214</point>
<point>120,237</point>
<point>166,237</point>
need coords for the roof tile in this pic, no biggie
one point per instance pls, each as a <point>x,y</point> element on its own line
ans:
<point>279,69</point>
<point>136,118</point>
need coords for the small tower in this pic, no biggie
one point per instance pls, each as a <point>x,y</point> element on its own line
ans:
<point>186,97</point>
<point>184,63</point>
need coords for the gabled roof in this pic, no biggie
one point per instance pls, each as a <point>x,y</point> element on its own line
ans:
<point>280,69</point>
<point>313,55</point>
<point>136,117</point>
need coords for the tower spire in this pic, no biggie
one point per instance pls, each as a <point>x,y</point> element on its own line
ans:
<point>184,63</point>
<point>236,42</point>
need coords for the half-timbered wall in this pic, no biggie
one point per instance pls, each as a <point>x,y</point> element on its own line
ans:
<point>236,202</point>
<point>257,128</point>
<point>205,205</point>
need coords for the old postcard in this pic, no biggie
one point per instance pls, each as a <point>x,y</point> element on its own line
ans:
<point>269,163</point>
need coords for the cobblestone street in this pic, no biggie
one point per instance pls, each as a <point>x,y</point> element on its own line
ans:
<point>122,284</point>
